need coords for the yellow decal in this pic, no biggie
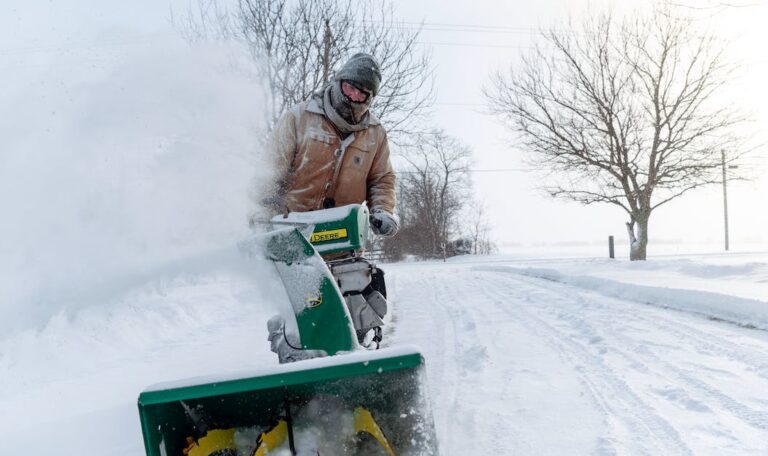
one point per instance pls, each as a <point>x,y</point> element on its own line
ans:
<point>314,301</point>
<point>330,235</point>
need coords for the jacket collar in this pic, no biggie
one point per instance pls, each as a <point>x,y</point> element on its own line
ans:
<point>313,106</point>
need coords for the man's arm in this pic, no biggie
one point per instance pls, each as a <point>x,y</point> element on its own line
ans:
<point>282,149</point>
<point>381,181</point>
<point>381,192</point>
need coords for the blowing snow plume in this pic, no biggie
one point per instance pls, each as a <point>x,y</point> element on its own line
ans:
<point>112,170</point>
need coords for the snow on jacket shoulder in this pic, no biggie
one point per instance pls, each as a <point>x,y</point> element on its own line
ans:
<point>313,162</point>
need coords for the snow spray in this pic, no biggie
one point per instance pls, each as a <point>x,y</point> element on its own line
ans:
<point>107,172</point>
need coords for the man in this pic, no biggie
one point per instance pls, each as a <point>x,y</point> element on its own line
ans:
<point>331,150</point>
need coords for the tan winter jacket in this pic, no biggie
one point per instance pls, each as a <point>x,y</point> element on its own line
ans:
<point>313,163</point>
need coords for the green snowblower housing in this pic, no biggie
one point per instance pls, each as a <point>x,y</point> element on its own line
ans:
<point>366,402</point>
<point>341,230</point>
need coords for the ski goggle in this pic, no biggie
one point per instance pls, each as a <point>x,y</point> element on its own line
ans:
<point>354,92</point>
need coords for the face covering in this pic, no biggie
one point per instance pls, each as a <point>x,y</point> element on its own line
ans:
<point>352,112</point>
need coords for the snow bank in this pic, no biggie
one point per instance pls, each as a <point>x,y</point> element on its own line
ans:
<point>751,313</point>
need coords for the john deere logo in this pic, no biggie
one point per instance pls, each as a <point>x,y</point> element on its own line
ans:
<point>330,235</point>
<point>314,301</point>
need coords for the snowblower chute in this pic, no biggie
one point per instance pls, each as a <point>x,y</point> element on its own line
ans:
<point>338,399</point>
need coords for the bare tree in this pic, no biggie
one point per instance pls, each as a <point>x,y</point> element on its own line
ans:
<point>478,230</point>
<point>624,113</point>
<point>298,44</point>
<point>432,192</point>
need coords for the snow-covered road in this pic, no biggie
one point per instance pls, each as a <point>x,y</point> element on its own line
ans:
<point>519,360</point>
<point>522,365</point>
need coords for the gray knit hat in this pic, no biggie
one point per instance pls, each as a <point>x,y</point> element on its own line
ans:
<point>362,69</point>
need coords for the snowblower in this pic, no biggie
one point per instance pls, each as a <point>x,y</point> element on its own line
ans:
<point>334,392</point>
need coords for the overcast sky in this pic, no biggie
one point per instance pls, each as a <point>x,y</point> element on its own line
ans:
<point>45,43</point>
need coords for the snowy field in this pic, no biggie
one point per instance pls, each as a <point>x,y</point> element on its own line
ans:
<point>525,355</point>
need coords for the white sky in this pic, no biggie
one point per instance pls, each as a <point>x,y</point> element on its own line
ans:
<point>39,37</point>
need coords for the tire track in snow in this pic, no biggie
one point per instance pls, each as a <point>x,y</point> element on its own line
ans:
<point>463,354</point>
<point>474,348</point>
<point>414,307</point>
<point>491,381</point>
<point>461,323</point>
<point>610,392</point>
<point>720,346</point>
<point>752,417</point>
<point>637,319</point>
<point>449,339</point>
<point>756,356</point>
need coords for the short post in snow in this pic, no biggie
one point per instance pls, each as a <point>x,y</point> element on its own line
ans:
<point>610,248</point>
<point>442,246</point>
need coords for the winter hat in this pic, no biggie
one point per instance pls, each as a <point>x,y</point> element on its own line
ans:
<point>362,69</point>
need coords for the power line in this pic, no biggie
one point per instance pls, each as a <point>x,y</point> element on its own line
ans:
<point>438,27</point>
<point>478,27</point>
<point>719,5</point>
<point>507,46</point>
<point>499,170</point>
<point>479,105</point>
<point>471,30</point>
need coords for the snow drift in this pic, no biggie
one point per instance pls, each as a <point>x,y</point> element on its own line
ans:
<point>750,313</point>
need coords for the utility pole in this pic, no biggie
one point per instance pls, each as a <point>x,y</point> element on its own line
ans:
<point>725,196</point>
<point>327,39</point>
<point>725,199</point>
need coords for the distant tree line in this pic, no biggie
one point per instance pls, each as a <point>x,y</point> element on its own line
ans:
<point>435,203</point>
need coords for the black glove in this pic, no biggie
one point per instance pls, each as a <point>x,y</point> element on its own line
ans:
<point>384,223</point>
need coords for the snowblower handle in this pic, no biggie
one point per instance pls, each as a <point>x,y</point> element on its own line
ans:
<point>279,222</point>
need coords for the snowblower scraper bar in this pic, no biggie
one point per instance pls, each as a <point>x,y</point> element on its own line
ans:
<point>314,370</point>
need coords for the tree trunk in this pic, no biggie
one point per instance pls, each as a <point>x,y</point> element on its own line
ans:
<point>637,229</point>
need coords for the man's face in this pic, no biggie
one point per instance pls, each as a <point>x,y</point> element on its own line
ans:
<point>354,93</point>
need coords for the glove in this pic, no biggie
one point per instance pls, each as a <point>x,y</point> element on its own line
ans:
<point>384,223</point>
<point>273,203</point>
